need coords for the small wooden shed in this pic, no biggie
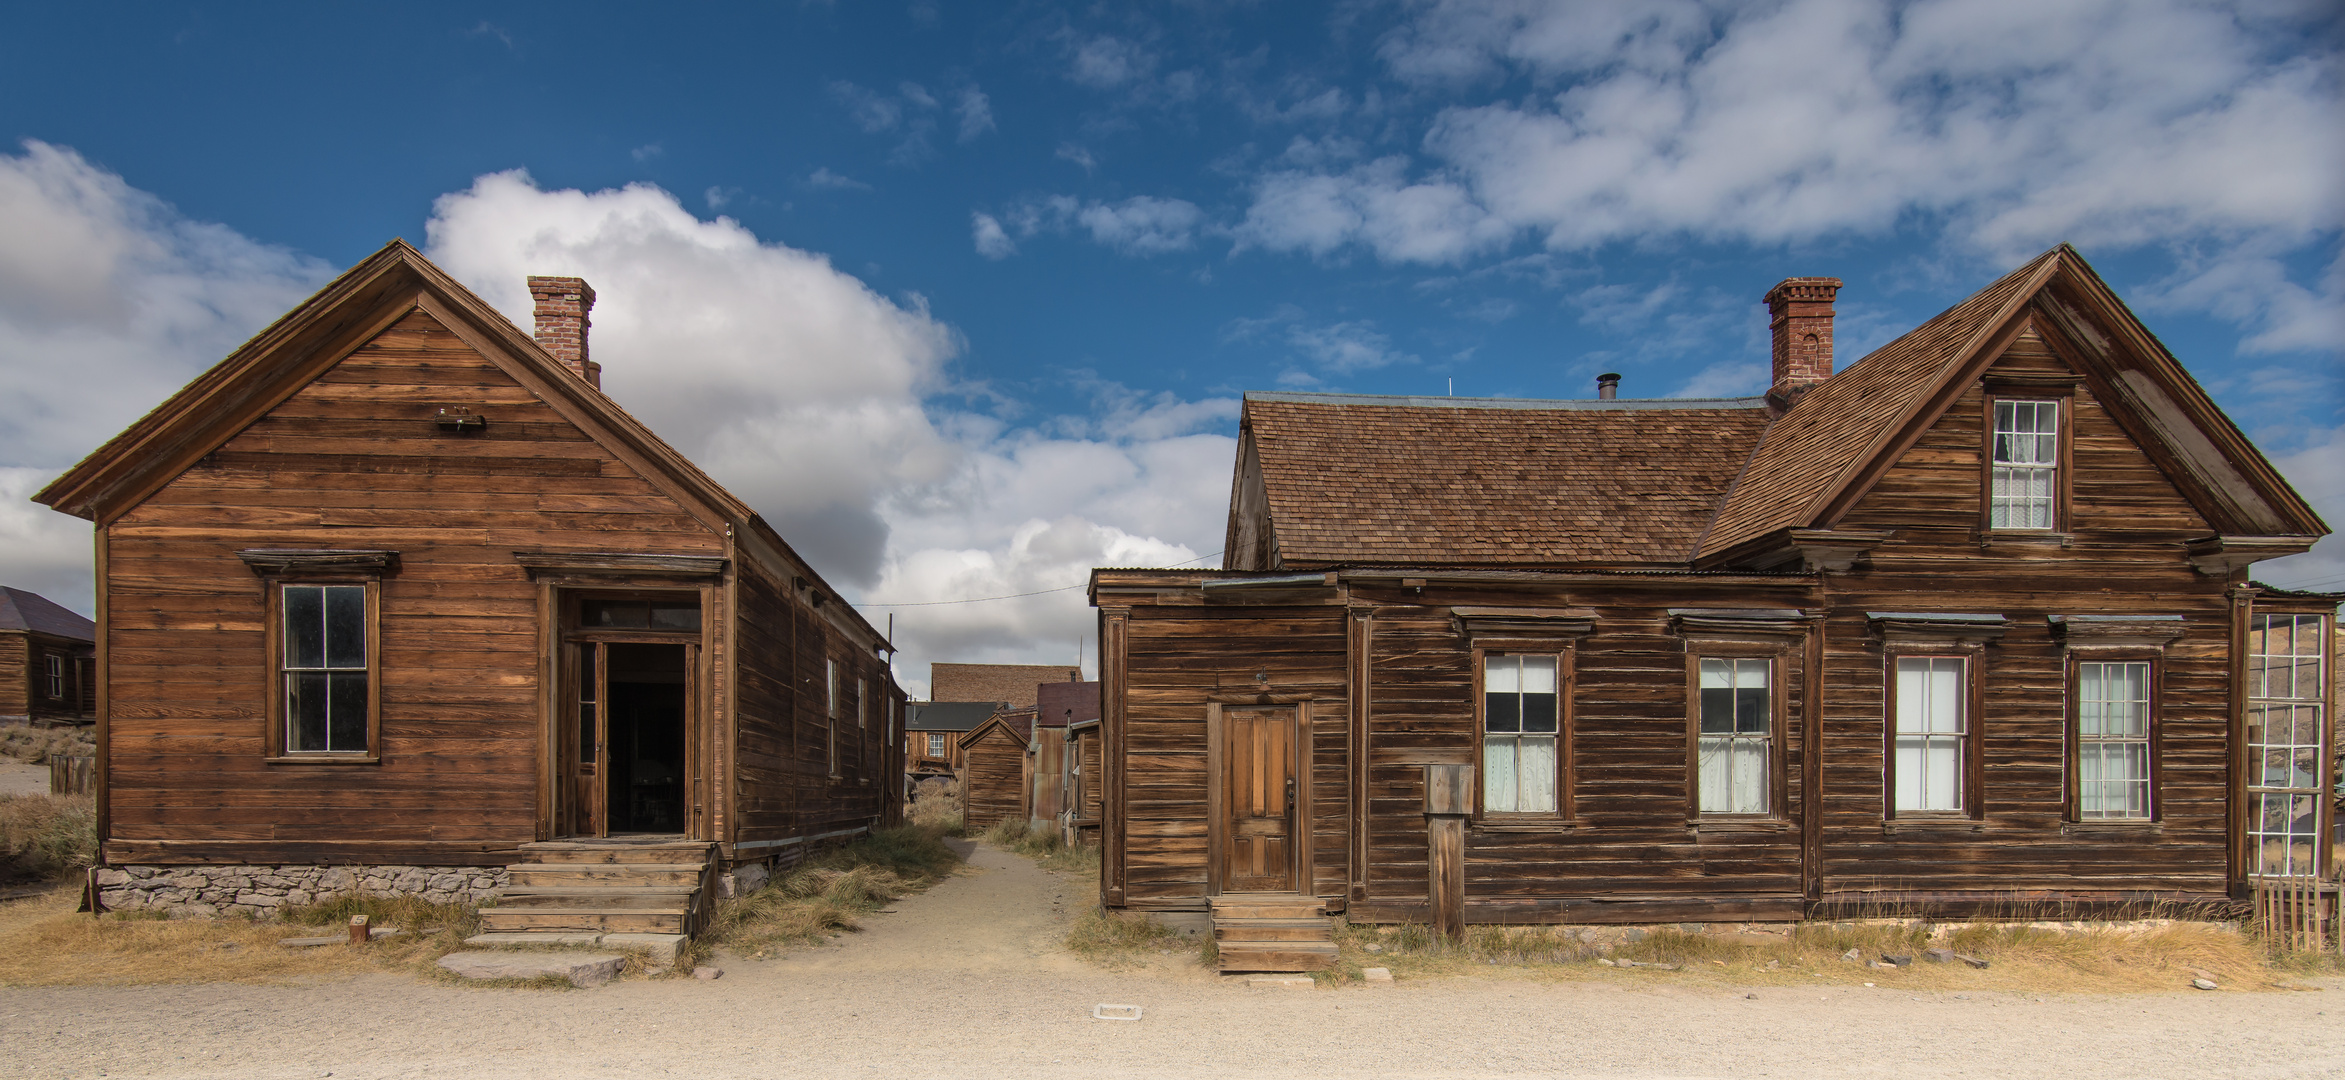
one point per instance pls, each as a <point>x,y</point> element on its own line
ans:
<point>48,661</point>
<point>993,779</point>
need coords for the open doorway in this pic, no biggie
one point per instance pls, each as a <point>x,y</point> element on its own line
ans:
<point>645,739</point>
<point>629,693</point>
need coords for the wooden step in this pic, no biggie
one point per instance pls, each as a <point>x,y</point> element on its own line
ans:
<point>507,920</point>
<point>685,875</point>
<point>617,851</point>
<point>1267,906</point>
<point>1229,930</point>
<point>1277,955</point>
<point>597,897</point>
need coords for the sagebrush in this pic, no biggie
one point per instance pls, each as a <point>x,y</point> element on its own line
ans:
<point>46,837</point>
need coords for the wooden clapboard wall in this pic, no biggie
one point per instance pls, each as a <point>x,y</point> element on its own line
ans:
<point>993,784</point>
<point>354,460</point>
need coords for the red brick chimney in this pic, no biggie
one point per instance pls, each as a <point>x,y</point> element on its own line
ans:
<point>1801,310</point>
<point>562,306</point>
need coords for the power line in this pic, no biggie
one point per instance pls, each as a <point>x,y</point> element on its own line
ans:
<point>1014,596</point>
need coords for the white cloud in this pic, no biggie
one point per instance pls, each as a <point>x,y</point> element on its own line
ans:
<point>1346,348</point>
<point>646,152</point>
<point>992,242</point>
<point>1077,154</point>
<point>2010,124</point>
<point>1106,61</point>
<point>823,178</point>
<point>2318,473</point>
<point>975,112</point>
<point>110,300</point>
<point>1143,225</point>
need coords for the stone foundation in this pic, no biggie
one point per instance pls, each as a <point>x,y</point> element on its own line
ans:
<point>258,891</point>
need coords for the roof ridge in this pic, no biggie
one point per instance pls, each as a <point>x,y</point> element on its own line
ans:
<point>1412,401</point>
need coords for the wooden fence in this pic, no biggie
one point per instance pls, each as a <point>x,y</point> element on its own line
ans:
<point>70,774</point>
<point>2296,914</point>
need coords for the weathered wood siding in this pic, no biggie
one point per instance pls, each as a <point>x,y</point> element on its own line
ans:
<point>353,460</point>
<point>994,787</point>
<point>787,785</point>
<point>2122,555</point>
<point>16,673</point>
<point>24,677</point>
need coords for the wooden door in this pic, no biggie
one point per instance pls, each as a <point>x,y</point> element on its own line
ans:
<point>579,788</point>
<point>1258,800</point>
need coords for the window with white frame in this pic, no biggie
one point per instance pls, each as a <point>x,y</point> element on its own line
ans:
<point>2286,679</point>
<point>324,668</point>
<point>1933,727</point>
<point>1734,741</point>
<point>861,710</point>
<point>53,675</point>
<point>2112,740</point>
<point>2025,480</point>
<point>936,744</point>
<point>830,726</point>
<point>1519,726</point>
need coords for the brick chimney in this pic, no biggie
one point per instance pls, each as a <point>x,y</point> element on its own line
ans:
<point>562,306</point>
<point>1801,312</point>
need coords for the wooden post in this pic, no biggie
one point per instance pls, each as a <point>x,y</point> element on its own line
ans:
<point>71,774</point>
<point>1449,800</point>
<point>358,931</point>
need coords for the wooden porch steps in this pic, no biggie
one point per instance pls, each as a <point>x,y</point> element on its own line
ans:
<point>622,886</point>
<point>1272,932</point>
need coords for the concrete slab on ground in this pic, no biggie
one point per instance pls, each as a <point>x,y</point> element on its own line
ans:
<point>582,969</point>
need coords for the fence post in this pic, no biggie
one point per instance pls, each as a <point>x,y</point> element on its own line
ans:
<point>1449,800</point>
<point>69,774</point>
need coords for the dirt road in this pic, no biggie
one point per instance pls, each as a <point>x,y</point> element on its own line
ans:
<point>968,980</point>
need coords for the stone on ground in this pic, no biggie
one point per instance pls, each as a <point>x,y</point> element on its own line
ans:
<point>582,969</point>
<point>1377,976</point>
<point>708,973</point>
<point>1281,982</point>
<point>664,947</point>
<point>2205,984</point>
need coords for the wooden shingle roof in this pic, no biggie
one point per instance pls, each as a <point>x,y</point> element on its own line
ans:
<point>1393,480</point>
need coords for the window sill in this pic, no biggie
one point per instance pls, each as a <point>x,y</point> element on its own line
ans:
<point>1991,536</point>
<point>1737,825</point>
<point>1944,823</point>
<point>1525,825</point>
<point>2150,825</point>
<point>325,759</point>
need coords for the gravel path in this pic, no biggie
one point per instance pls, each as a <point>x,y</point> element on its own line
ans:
<point>968,980</point>
<point>18,778</point>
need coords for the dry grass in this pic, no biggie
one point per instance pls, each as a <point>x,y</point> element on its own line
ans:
<point>43,942</point>
<point>936,804</point>
<point>2147,955</point>
<point>1045,846</point>
<point>45,837</point>
<point>33,745</point>
<point>829,895</point>
<point>1119,939</point>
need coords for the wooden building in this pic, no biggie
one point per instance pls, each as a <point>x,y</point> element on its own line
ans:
<point>48,662</point>
<point>396,583</point>
<point>994,773</point>
<point>933,731</point>
<point>1083,783</point>
<point>1051,771</point>
<point>1968,623</point>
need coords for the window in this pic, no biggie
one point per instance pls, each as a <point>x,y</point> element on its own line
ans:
<point>53,675</point>
<point>1519,727</point>
<point>936,744</point>
<point>2024,481</point>
<point>2286,657</point>
<point>1734,741</point>
<point>325,669</point>
<point>2113,740</point>
<point>1929,760</point>
<point>861,709</point>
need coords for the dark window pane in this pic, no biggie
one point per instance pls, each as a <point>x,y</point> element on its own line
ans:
<point>305,711</point>
<point>587,655</point>
<point>305,626</point>
<point>669,616</point>
<point>586,733</point>
<point>346,715</point>
<point>1502,712</point>
<point>1750,710</point>
<point>615,614</point>
<point>1717,710</point>
<point>346,626</point>
<point>1539,713</point>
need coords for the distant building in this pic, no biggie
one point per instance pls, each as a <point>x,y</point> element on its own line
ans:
<point>1013,683</point>
<point>48,661</point>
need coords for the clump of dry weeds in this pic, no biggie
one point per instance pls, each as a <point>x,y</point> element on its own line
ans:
<point>830,893</point>
<point>1118,939</point>
<point>33,745</point>
<point>936,804</point>
<point>43,942</point>
<point>45,837</point>
<point>1044,845</point>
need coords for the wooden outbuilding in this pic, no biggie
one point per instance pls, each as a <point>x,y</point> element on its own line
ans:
<point>994,772</point>
<point>933,733</point>
<point>396,583</point>
<point>48,662</point>
<point>1965,626</point>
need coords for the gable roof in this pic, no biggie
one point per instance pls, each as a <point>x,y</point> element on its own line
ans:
<point>948,715</point>
<point>21,610</point>
<point>1822,455</point>
<point>1019,723</point>
<point>1361,479</point>
<point>349,311</point>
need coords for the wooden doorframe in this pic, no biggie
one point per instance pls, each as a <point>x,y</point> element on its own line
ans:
<point>557,597</point>
<point>1298,706</point>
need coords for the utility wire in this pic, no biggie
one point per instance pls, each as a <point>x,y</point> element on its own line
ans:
<point>1014,596</point>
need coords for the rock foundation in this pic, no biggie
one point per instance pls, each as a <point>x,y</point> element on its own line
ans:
<point>258,891</point>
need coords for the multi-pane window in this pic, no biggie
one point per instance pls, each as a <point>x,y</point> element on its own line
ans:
<point>1519,714</point>
<point>325,668</point>
<point>1735,736</point>
<point>2285,682</point>
<point>830,727</point>
<point>862,710</point>
<point>2112,740</point>
<point>936,744</point>
<point>2025,482</point>
<point>53,675</point>
<point>1931,731</point>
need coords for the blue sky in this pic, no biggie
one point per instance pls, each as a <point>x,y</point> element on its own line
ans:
<point>963,295</point>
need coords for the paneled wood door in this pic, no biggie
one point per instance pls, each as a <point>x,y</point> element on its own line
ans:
<point>1258,800</point>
